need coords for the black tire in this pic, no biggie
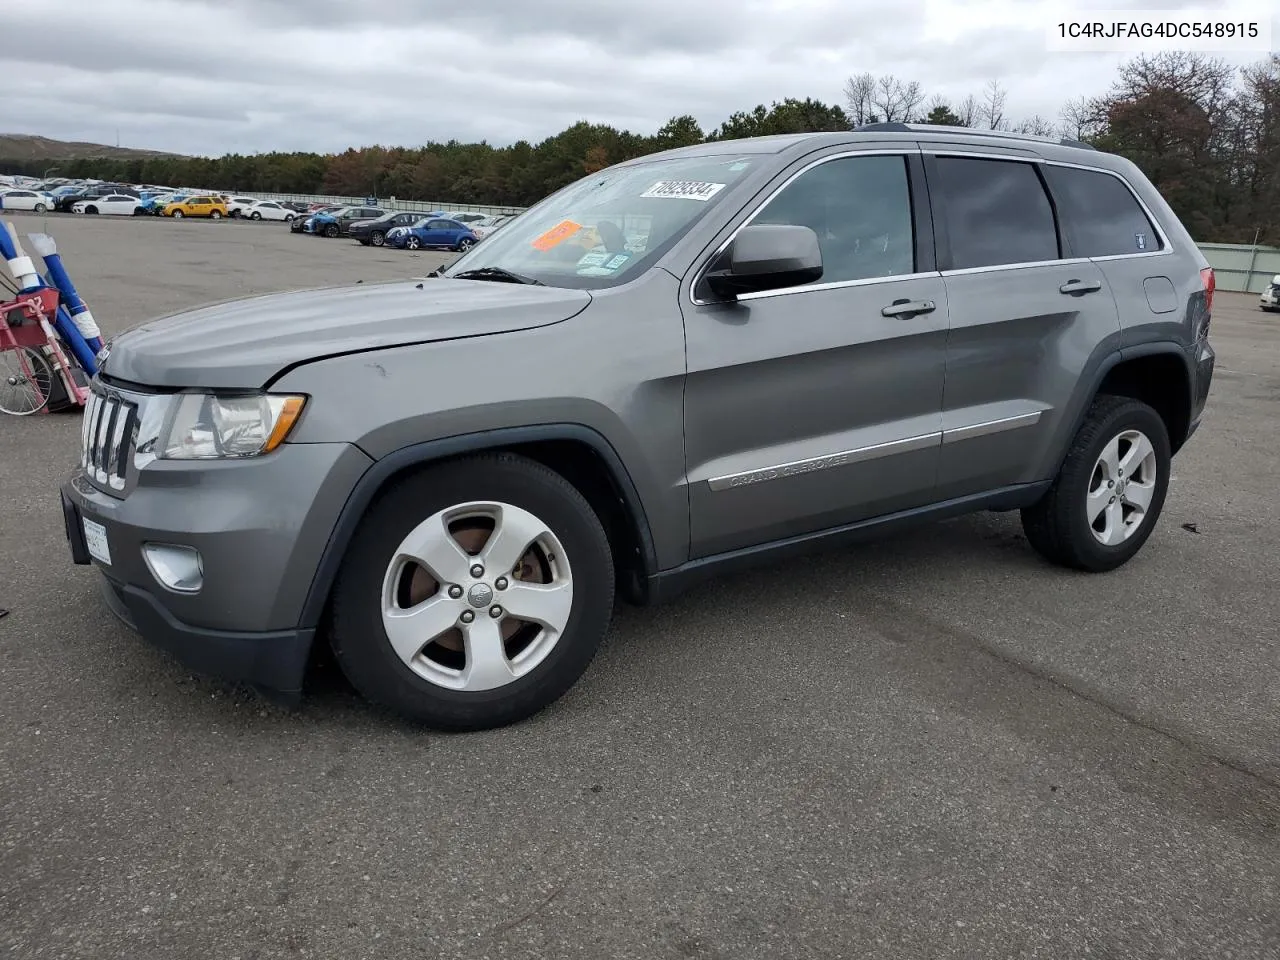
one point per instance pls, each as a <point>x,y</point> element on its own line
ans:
<point>41,208</point>
<point>360,642</point>
<point>377,238</point>
<point>332,230</point>
<point>413,243</point>
<point>215,214</point>
<point>1058,526</point>
<point>91,210</point>
<point>464,245</point>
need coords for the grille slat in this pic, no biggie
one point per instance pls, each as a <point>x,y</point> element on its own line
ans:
<point>108,436</point>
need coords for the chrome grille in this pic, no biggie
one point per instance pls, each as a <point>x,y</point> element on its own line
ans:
<point>107,438</point>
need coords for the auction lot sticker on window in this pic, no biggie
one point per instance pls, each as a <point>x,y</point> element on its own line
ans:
<point>684,189</point>
<point>557,235</point>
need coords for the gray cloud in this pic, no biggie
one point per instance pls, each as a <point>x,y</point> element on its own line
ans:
<point>248,75</point>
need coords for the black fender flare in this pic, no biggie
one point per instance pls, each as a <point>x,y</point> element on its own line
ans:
<point>1105,366</point>
<point>421,454</point>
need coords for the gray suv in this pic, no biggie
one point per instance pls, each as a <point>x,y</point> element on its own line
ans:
<point>687,362</point>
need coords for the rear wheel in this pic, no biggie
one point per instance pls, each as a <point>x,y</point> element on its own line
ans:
<point>26,381</point>
<point>474,594</point>
<point>465,244</point>
<point>41,208</point>
<point>1110,490</point>
<point>215,214</point>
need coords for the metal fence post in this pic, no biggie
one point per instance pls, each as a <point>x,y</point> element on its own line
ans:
<point>1253,259</point>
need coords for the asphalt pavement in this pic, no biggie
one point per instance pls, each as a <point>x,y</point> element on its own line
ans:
<point>929,746</point>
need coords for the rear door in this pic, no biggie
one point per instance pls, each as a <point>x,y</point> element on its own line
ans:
<point>1027,318</point>
<point>812,407</point>
<point>1106,222</point>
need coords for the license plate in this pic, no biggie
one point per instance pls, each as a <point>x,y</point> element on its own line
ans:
<point>95,537</point>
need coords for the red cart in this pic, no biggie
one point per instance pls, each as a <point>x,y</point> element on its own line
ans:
<point>36,373</point>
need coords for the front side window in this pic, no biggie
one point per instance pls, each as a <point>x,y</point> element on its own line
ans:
<point>1102,215</point>
<point>608,227</point>
<point>997,212</point>
<point>860,208</point>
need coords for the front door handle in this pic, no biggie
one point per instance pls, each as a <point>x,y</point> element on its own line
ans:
<point>1078,287</point>
<point>908,308</point>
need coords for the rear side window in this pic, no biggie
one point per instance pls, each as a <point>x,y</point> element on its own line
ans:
<point>860,208</point>
<point>997,212</point>
<point>1102,216</point>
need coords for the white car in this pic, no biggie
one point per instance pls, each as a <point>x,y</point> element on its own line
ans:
<point>268,210</point>
<point>482,228</point>
<point>1270,299</point>
<point>238,206</point>
<point>114,204</point>
<point>26,200</point>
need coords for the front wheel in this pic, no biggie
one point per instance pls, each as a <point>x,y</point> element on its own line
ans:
<point>377,238</point>
<point>177,214</point>
<point>331,231</point>
<point>256,215</point>
<point>413,243</point>
<point>474,594</point>
<point>1108,495</point>
<point>26,381</point>
<point>91,210</point>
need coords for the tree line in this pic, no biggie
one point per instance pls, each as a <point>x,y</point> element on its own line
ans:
<point>1207,134</point>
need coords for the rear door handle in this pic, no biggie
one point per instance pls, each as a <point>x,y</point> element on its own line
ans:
<point>1078,287</point>
<point>908,308</point>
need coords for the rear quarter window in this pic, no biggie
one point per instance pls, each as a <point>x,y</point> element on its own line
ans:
<point>1101,214</point>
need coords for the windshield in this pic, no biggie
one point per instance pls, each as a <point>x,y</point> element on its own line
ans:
<point>607,228</point>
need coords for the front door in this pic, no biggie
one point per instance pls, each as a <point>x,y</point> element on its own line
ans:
<point>821,405</point>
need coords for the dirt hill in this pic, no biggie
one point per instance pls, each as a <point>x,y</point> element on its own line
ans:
<point>24,146</point>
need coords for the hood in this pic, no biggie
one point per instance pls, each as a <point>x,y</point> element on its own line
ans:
<point>243,344</point>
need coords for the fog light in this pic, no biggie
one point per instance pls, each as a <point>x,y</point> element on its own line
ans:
<point>177,567</point>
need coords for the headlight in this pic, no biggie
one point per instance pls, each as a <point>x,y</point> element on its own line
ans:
<point>207,427</point>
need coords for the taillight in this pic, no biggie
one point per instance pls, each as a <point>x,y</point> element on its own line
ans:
<point>1209,281</point>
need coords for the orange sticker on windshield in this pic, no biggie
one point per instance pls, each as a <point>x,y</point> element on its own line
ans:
<point>558,234</point>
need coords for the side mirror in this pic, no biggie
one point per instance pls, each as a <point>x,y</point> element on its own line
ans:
<point>767,257</point>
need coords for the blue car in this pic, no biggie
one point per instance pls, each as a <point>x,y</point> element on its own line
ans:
<point>433,232</point>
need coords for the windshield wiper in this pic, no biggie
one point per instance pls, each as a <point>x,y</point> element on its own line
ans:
<point>495,273</point>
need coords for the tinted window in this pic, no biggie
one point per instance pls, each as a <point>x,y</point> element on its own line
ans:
<point>441,225</point>
<point>860,208</point>
<point>1101,213</point>
<point>997,212</point>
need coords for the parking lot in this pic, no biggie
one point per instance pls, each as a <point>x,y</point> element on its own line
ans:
<point>931,746</point>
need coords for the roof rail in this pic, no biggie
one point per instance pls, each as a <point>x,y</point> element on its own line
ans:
<point>897,126</point>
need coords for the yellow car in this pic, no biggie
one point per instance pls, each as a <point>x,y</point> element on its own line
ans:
<point>213,207</point>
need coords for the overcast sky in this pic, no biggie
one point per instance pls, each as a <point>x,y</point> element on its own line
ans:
<point>252,75</point>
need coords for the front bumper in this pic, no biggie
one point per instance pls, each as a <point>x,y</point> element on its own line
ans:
<point>260,526</point>
<point>1269,301</point>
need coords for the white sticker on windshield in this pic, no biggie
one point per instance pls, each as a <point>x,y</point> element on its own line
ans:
<point>593,260</point>
<point>684,190</point>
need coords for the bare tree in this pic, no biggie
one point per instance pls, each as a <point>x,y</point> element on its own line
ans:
<point>859,94</point>
<point>1076,118</point>
<point>894,99</point>
<point>1036,126</point>
<point>969,111</point>
<point>992,109</point>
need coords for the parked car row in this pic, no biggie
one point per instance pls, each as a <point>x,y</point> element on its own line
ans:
<point>402,229</point>
<point>370,225</point>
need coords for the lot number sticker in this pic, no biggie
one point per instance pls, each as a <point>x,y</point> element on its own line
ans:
<point>684,190</point>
